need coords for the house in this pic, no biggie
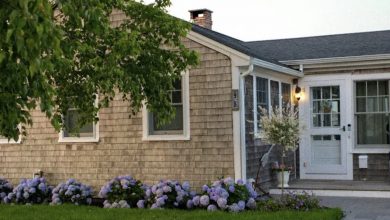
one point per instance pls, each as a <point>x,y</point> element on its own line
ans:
<point>344,106</point>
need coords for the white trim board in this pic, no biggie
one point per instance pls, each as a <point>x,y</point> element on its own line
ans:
<point>336,193</point>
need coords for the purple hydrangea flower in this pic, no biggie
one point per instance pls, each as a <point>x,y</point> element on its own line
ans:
<point>222,203</point>
<point>231,189</point>
<point>234,207</point>
<point>141,204</point>
<point>212,208</point>
<point>186,186</point>
<point>251,204</point>
<point>204,200</point>
<point>196,200</point>
<point>190,204</point>
<point>241,205</point>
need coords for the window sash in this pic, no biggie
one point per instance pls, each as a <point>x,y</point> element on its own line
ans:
<point>372,117</point>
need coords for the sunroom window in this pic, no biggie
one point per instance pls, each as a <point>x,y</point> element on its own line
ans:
<point>372,112</point>
<point>269,94</point>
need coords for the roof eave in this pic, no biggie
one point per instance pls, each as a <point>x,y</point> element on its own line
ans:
<point>272,66</point>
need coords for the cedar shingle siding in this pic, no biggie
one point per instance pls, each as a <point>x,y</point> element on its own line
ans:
<point>120,150</point>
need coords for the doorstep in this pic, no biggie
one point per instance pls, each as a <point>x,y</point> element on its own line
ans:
<point>339,188</point>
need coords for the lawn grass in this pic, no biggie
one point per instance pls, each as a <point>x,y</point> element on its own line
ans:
<point>87,212</point>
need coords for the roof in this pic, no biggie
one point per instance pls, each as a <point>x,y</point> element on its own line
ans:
<point>273,51</point>
<point>231,42</point>
<point>340,45</point>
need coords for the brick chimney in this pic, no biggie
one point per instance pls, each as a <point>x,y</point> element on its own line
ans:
<point>202,17</point>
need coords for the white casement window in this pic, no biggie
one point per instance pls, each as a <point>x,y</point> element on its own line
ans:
<point>87,133</point>
<point>372,113</point>
<point>179,127</point>
<point>268,94</point>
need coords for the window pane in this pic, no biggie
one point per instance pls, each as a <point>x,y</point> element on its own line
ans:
<point>360,104</point>
<point>383,104</point>
<point>335,106</point>
<point>325,92</point>
<point>317,137</point>
<point>316,106</point>
<point>262,92</point>
<point>327,137</point>
<point>373,129</point>
<point>316,120</point>
<point>176,97</point>
<point>326,106</point>
<point>71,123</point>
<point>316,93</point>
<point>327,122</point>
<point>335,92</point>
<point>361,88</point>
<point>275,94</point>
<point>175,125</point>
<point>383,87</point>
<point>372,88</point>
<point>335,120</point>
<point>286,94</point>
<point>372,104</point>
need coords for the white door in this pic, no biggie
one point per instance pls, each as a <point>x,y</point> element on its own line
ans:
<point>324,140</point>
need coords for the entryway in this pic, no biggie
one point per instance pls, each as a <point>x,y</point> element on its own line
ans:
<point>326,135</point>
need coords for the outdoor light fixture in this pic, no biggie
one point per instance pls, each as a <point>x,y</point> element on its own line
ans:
<point>298,93</point>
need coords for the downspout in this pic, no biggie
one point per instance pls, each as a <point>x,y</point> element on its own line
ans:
<point>242,119</point>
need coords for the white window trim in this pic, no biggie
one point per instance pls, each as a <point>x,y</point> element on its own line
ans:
<point>256,133</point>
<point>93,139</point>
<point>186,118</point>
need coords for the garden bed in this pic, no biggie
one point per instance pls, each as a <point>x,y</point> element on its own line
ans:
<point>90,212</point>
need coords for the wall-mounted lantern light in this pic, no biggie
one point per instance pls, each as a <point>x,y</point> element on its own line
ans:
<point>298,93</point>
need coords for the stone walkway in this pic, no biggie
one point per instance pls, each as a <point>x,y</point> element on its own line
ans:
<point>360,208</point>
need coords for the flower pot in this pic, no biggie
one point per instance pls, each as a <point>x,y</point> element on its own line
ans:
<point>286,177</point>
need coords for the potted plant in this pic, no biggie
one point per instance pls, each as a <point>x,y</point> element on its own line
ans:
<point>282,174</point>
<point>280,127</point>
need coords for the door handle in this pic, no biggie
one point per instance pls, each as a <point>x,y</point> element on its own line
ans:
<point>343,128</point>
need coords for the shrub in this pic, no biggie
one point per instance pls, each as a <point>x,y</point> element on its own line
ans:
<point>225,194</point>
<point>170,194</point>
<point>270,205</point>
<point>302,202</point>
<point>30,191</point>
<point>72,192</point>
<point>122,191</point>
<point>5,188</point>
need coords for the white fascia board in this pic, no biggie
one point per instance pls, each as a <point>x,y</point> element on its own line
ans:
<point>337,59</point>
<point>281,69</point>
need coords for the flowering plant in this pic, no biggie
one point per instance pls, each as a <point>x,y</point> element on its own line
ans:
<point>281,127</point>
<point>5,188</point>
<point>30,191</point>
<point>72,192</point>
<point>171,194</point>
<point>122,191</point>
<point>226,194</point>
<point>301,202</point>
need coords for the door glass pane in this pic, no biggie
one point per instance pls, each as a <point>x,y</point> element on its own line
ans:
<point>360,88</point>
<point>372,88</point>
<point>326,106</point>
<point>335,120</point>
<point>326,121</point>
<point>316,92</point>
<point>325,92</point>
<point>317,120</point>
<point>335,106</point>
<point>316,106</point>
<point>335,92</point>
<point>383,104</point>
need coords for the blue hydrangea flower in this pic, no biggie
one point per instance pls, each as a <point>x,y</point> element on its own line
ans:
<point>204,200</point>
<point>212,208</point>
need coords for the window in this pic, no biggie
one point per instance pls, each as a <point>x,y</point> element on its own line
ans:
<point>4,140</point>
<point>87,133</point>
<point>178,128</point>
<point>325,106</point>
<point>372,110</point>
<point>176,125</point>
<point>267,94</point>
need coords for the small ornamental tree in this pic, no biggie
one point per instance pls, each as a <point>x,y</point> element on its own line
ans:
<point>281,127</point>
<point>58,54</point>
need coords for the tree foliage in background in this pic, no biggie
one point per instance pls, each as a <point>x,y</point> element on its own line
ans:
<point>60,55</point>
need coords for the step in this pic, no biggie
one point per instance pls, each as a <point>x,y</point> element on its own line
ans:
<point>336,193</point>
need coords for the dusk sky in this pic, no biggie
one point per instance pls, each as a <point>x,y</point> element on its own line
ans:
<point>275,19</point>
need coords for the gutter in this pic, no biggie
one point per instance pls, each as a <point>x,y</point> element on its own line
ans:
<point>277,68</point>
<point>337,59</point>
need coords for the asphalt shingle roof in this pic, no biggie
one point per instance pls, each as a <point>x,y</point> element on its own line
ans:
<point>340,45</point>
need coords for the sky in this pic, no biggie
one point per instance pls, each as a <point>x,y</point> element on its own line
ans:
<point>276,19</point>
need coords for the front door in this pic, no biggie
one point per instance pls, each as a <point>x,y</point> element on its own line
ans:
<point>324,138</point>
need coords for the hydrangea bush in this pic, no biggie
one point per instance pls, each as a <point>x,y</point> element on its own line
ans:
<point>122,192</point>
<point>5,188</point>
<point>225,194</point>
<point>30,191</point>
<point>72,192</point>
<point>170,194</point>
